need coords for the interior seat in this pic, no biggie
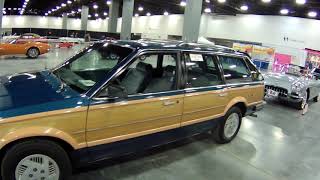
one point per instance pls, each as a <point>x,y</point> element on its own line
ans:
<point>165,83</point>
<point>138,78</point>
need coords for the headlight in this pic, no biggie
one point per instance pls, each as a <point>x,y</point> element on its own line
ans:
<point>297,87</point>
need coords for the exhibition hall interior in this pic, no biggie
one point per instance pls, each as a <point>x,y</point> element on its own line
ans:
<point>159,90</point>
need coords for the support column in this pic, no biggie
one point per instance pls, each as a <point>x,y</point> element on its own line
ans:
<point>84,18</point>
<point>127,13</point>
<point>113,16</point>
<point>64,21</point>
<point>192,18</point>
<point>1,16</point>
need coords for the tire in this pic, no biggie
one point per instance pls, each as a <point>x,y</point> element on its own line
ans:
<point>316,99</point>
<point>300,105</point>
<point>27,155</point>
<point>220,134</point>
<point>33,53</point>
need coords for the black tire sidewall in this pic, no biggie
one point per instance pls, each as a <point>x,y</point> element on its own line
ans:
<point>24,149</point>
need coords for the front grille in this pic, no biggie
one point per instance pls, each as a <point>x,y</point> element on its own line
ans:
<point>282,91</point>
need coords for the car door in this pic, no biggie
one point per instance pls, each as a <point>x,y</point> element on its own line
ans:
<point>17,47</point>
<point>154,103</point>
<point>205,98</point>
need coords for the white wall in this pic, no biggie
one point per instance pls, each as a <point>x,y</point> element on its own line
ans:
<point>269,30</point>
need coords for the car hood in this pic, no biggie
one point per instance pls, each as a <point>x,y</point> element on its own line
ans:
<point>281,80</point>
<point>33,92</point>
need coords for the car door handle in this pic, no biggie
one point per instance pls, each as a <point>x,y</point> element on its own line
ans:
<point>169,103</point>
<point>223,94</point>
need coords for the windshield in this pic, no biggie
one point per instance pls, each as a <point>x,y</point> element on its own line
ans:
<point>91,66</point>
<point>292,69</point>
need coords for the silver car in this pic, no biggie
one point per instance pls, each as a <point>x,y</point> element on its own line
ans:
<point>293,84</point>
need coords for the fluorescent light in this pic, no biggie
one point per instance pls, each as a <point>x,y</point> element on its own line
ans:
<point>266,1</point>
<point>63,5</point>
<point>301,2</point>
<point>109,2</point>
<point>105,14</point>
<point>244,8</point>
<point>166,13</point>
<point>284,11</point>
<point>69,2</point>
<point>312,14</point>
<point>207,10</point>
<point>96,15</point>
<point>95,6</point>
<point>140,8</point>
<point>221,1</point>
<point>136,15</point>
<point>148,14</point>
<point>207,1</point>
<point>183,3</point>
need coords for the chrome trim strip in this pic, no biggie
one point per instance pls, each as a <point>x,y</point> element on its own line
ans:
<point>186,113</point>
<point>128,124</point>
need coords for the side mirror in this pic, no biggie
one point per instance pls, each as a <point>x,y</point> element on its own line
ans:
<point>113,92</point>
<point>256,76</point>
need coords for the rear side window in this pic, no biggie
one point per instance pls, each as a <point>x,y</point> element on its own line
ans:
<point>202,70</point>
<point>235,69</point>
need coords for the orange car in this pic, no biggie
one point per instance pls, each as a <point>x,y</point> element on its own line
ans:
<point>31,49</point>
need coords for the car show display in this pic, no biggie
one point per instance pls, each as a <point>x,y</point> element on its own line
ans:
<point>32,49</point>
<point>293,84</point>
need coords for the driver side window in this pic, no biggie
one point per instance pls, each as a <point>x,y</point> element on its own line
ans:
<point>149,73</point>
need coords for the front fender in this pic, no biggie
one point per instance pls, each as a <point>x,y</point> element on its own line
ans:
<point>31,132</point>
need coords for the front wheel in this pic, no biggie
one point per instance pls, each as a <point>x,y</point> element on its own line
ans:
<point>36,159</point>
<point>33,53</point>
<point>228,129</point>
<point>301,105</point>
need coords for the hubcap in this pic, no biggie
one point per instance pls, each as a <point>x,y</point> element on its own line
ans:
<point>33,53</point>
<point>37,166</point>
<point>231,125</point>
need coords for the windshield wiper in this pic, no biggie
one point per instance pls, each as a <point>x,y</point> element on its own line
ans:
<point>62,84</point>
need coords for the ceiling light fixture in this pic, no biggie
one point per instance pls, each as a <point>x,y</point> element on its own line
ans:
<point>95,6</point>
<point>105,14</point>
<point>301,2</point>
<point>109,2</point>
<point>221,1</point>
<point>284,11</point>
<point>266,1</point>
<point>140,8</point>
<point>166,13</point>
<point>244,8</point>
<point>312,14</point>
<point>148,14</point>
<point>136,15</point>
<point>207,10</point>
<point>183,3</point>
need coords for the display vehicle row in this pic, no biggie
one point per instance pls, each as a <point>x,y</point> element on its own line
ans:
<point>118,97</point>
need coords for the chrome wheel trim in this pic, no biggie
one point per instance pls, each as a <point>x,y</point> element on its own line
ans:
<point>37,166</point>
<point>33,53</point>
<point>232,124</point>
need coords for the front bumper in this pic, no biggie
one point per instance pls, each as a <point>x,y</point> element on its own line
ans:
<point>291,98</point>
